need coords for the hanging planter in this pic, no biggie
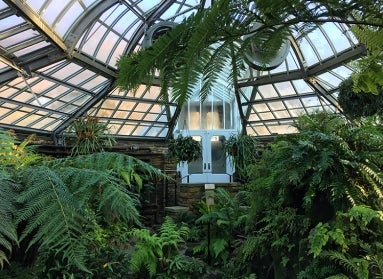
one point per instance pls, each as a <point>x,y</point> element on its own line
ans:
<point>244,151</point>
<point>184,149</point>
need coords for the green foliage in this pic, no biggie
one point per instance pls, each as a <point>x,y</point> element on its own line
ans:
<point>182,266</point>
<point>153,251</point>
<point>8,234</point>
<point>208,42</point>
<point>352,242</point>
<point>50,208</point>
<point>184,149</point>
<point>14,154</point>
<point>368,77</point>
<point>67,207</point>
<point>91,135</point>
<point>316,191</point>
<point>220,225</point>
<point>13,157</point>
<point>356,267</point>
<point>357,104</point>
<point>322,234</point>
<point>244,150</point>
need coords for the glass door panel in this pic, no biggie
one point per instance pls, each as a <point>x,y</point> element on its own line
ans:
<point>214,165</point>
<point>197,165</point>
<point>218,157</point>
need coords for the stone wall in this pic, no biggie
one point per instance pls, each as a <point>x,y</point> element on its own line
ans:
<point>190,194</point>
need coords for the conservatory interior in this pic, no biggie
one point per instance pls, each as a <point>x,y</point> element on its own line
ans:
<point>191,139</point>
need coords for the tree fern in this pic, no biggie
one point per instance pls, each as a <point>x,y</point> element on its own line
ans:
<point>188,53</point>
<point>131,170</point>
<point>102,192</point>
<point>8,234</point>
<point>50,210</point>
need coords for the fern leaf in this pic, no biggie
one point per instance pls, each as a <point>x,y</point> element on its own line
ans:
<point>147,252</point>
<point>8,234</point>
<point>121,203</point>
<point>219,246</point>
<point>53,216</point>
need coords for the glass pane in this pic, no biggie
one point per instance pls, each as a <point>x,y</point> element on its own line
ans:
<point>195,167</point>
<point>218,157</point>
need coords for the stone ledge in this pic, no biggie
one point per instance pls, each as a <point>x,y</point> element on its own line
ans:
<point>176,209</point>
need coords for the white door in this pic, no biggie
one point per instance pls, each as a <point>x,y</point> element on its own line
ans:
<point>214,166</point>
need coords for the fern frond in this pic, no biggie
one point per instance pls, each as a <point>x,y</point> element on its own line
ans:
<point>120,203</point>
<point>8,234</point>
<point>53,216</point>
<point>377,265</point>
<point>373,174</point>
<point>128,169</point>
<point>219,246</point>
<point>357,267</point>
<point>147,252</point>
<point>171,234</point>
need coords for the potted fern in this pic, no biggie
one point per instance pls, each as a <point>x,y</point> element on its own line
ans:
<point>184,149</point>
<point>244,152</point>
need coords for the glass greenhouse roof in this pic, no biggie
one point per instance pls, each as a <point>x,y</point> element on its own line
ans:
<point>58,62</point>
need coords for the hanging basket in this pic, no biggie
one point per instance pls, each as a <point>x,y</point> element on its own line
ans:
<point>184,149</point>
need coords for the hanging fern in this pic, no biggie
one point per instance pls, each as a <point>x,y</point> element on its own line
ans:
<point>368,77</point>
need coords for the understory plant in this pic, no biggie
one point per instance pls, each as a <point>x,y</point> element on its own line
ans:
<point>157,255</point>
<point>57,215</point>
<point>323,184</point>
<point>221,226</point>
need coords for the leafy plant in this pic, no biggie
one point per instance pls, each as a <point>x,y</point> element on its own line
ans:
<point>153,251</point>
<point>14,156</point>
<point>61,202</point>
<point>8,233</point>
<point>244,150</point>
<point>91,135</point>
<point>221,225</point>
<point>359,104</point>
<point>368,77</point>
<point>184,149</point>
<point>311,178</point>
